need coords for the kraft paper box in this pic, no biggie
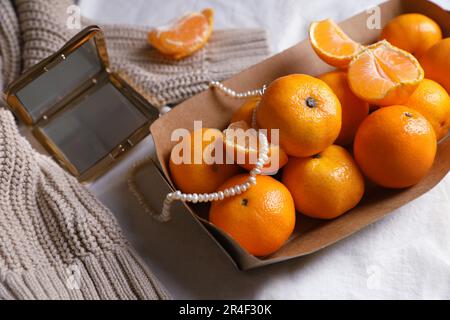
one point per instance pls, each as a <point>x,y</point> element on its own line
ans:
<point>215,110</point>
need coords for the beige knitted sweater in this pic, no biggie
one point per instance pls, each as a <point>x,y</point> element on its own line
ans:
<point>56,240</point>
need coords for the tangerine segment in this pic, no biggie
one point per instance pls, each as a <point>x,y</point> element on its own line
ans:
<point>185,36</point>
<point>384,75</point>
<point>242,143</point>
<point>331,43</point>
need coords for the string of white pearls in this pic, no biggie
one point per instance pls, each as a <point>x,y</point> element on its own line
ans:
<point>229,192</point>
<point>237,95</point>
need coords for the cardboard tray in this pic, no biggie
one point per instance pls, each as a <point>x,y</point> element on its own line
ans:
<point>215,110</point>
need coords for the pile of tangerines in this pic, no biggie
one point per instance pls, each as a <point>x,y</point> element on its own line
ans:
<point>374,119</point>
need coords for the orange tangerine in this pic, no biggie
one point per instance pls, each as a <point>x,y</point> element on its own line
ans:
<point>306,112</point>
<point>436,63</point>
<point>395,146</point>
<point>261,219</point>
<point>433,102</point>
<point>245,111</point>
<point>354,110</point>
<point>412,32</point>
<point>195,173</point>
<point>325,185</point>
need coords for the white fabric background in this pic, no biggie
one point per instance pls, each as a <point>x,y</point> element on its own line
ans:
<point>406,255</point>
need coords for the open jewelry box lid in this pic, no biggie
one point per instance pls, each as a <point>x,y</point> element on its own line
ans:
<point>85,115</point>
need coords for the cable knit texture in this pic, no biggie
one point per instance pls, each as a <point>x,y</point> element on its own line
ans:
<point>56,240</point>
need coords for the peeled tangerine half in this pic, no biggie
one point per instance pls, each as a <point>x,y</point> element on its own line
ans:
<point>384,75</point>
<point>331,44</point>
<point>242,143</point>
<point>184,36</point>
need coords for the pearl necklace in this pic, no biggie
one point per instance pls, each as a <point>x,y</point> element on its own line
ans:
<point>237,95</point>
<point>229,192</point>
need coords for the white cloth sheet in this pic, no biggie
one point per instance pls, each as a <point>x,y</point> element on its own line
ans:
<point>406,255</point>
